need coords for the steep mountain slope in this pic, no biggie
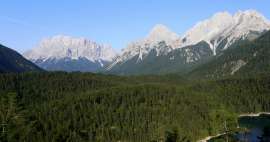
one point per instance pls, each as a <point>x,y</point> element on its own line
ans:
<point>12,61</point>
<point>219,33</point>
<point>151,42</point>
<point>247,57</point>
<point>158,61</point>
<point>70,54</point>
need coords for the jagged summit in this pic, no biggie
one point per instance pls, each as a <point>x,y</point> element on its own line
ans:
<point>223,26</point>
<point>67,53</point>
<point>250,13</point>
<point>61,46</point>
<point>208,29</point>
<point>161,33</point>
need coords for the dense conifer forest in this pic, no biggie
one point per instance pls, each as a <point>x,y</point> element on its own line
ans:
<point>59,106</point>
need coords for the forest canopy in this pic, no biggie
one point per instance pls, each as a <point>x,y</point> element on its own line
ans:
<point>61,106</point>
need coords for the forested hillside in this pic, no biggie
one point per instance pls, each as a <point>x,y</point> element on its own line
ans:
<point>91,107</point>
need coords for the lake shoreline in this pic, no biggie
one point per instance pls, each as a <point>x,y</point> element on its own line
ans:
<point>241,115</point>
<point>254,114</point>
<point>210,137</point>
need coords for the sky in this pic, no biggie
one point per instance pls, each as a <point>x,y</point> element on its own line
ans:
<point>24,23</point>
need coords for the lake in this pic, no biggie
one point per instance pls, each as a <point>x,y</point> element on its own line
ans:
<point>252,130</point>
<point>255,127</point>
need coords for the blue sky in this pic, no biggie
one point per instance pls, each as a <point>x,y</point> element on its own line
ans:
<point>23,23</point>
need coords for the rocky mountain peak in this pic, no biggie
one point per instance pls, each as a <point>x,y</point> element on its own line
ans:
<point>60,46</point>
<point>161,33</point>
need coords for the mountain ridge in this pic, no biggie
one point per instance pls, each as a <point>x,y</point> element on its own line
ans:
<point>220,32</point>
<point>12,61</point>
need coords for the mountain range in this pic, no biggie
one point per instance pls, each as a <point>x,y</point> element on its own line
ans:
<point>224,44</point>
<point>163,51</point>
